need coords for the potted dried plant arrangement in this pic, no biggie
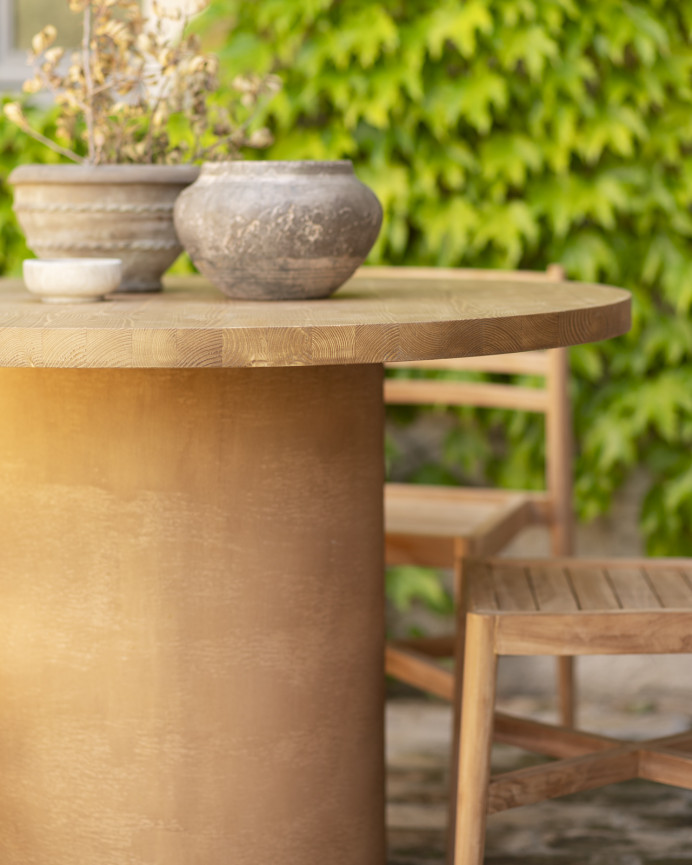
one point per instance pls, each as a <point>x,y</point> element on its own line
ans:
<point>136,112</point>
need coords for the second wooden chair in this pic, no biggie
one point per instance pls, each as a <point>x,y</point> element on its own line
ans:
<point>440,526</point>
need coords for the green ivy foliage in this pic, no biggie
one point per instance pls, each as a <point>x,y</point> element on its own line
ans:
<point>513,133</point>
<point>508,133</point>
<point>17,149</point>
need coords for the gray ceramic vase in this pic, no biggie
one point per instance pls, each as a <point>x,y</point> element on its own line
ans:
<point>103,211</point>
<point>278,230</point>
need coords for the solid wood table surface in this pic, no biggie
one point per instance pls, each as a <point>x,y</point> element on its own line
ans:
<point>380,315</point>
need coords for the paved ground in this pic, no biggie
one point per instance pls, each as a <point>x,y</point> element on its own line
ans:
<point>636,823</point>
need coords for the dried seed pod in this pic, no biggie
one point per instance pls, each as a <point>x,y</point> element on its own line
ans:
<point>43,40</point>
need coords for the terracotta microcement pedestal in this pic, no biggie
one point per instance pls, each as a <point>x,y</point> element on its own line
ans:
<point>171,694</point>
<point>191,615</point>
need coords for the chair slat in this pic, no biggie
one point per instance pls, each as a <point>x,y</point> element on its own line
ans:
<point>632,589</point>
<point>553,273</point>
<point>592,590</point>
<point>523,363</point>
<point>671,586</point>
<point>512,588</point>
<point>401,391</point>
<point>552,589</point>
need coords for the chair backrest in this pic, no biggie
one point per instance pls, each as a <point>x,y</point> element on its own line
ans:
<point>552,399</point>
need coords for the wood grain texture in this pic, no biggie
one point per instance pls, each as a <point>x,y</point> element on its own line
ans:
<point>475,740</point>
<point>539,607</point>
<point>548,739</point>
<point>564,586</point>
<point>439,511</point>
<point>551,588</point>
<point>374,318</point>
<point>571,775</point>
<point>666,768</point>
<point>611,632</point>
<point>434,526</point>
<point>192,617</point>
<point>418,670</point>
<point>525,363</point>
<point>560,453</point>
<point>575,607</point>
<point>401,391</point>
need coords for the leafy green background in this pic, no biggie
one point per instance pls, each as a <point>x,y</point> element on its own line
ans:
<point>514,133</point>
<point>507,133</point>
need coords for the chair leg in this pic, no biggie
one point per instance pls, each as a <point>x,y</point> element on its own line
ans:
<point>475,740</point>
<point>459,654</point>
<point>566,690</point>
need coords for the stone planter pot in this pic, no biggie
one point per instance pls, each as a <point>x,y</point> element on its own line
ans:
<point>278,230</point>
<point>103,211</point>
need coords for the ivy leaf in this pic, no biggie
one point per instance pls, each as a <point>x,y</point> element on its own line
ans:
<point>529,48</point>
<point>586,362</point>
<point>668,341</point>
<point>511,157</point>
<point>364,36</point>
<point>458,24</point>
<point>472,98</point>
<point>508,228</point>
<point>478,95</point>
<point>587,255</point>
<point>617,128</point>
<point>449,227</point>
<point>407,584</point>
<point>567,200</point>
<point>649,37</point>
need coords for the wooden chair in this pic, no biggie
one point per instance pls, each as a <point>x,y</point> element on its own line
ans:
<point>439,526</point>
<point>561,607</point>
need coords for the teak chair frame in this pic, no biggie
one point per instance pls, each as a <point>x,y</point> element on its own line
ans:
<point>416,661</point>
<point>544,615</point>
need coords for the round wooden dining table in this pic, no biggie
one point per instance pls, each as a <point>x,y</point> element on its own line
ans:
<point>191,566</point>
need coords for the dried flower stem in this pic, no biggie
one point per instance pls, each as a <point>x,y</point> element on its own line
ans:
<point>135,92</point>
<point>89,81</point>
<point>54,146</point>
<point>150,130</point>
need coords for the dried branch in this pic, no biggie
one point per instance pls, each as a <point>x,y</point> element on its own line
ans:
<point>110,96</point>
<point>89,81</point>
<point>14,113</point>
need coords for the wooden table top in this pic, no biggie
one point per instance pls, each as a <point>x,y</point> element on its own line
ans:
<point>389,315</point>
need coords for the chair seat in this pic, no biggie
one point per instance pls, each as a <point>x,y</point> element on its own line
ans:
<point>554,605</point>
<point>426,524</point>
<point>561,607</point>
<point>568,586</point>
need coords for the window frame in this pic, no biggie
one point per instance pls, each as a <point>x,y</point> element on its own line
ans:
<point>14,68</point>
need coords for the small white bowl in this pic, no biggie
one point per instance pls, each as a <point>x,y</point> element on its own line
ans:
<point>72,280</point>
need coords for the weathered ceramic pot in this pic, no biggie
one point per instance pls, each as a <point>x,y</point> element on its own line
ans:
<point>104,211</point>
<point>278,230</point>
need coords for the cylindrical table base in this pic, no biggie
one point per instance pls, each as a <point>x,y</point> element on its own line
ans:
<point>191,617</point>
